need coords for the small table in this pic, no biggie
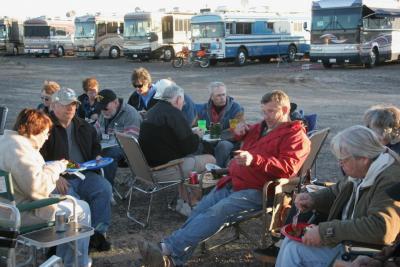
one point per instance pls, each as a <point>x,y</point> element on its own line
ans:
<point>48,237</point>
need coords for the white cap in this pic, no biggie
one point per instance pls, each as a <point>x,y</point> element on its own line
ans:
<point>160,87</point>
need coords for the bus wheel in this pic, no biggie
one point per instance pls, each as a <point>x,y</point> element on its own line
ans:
<point>327,65</point>
<point>373,58</point>
<point>114,52</point>
<point>292,50</point>
<point>60,51</point>
<point>168,54</point>
<point>241,57</point>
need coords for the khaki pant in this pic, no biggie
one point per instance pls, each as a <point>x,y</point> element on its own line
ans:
<point>192,163</point>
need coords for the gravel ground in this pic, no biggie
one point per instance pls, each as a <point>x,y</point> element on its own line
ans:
<point>339,96</point>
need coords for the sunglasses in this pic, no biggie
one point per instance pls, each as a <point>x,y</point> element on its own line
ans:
<point>138,85</point>
<point>45,98</point>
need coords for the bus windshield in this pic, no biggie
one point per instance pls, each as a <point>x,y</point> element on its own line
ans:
<point>137,28</point>
<point>208,30</point>
<point>336,19</point>
<point>37,31</point>
<point>85,29</point>
<point>3,32</point>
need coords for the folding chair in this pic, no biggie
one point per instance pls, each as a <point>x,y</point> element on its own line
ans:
<point>3,117</point>
<point>281,188</point>
<point>144,174</point>
<point>33,236</point>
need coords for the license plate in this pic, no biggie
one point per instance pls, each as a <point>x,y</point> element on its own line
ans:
<point>134,55</point>
<point>332,60</point>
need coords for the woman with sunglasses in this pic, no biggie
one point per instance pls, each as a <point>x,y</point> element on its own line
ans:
<point>49,88</point>
<point>143,97</point>
<point>87,109</point>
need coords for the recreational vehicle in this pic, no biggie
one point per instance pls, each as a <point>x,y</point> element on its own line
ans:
<point>156,35</point>
<point>355,32</point>
<point>238,36</point>
<point>99,36</point>
<point>45,36</point>
<point>11,36</point>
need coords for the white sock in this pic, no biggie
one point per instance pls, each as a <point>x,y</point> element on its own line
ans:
<point>164,249</point>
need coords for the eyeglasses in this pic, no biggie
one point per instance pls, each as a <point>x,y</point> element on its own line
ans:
<point>138,85</point>
<point>45,98</point>
<point>105,109</point>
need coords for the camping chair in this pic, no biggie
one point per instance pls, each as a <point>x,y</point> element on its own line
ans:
<point>144,174</point>
<point>3,117</point>
<point>281,187</point>
<point>36,236</point>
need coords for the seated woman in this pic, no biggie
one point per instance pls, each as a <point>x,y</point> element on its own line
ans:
<point>385,122</point>
<point>87,109</point>
<point>359,208</point>
<point>49,88</point>
<point>33,179</point>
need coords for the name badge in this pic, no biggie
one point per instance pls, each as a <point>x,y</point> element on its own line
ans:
<point>105,136</point>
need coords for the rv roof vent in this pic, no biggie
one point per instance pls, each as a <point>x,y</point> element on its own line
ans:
<point>205,10</point>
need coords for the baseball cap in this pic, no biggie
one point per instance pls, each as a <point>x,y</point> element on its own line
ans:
<point>160,87</point>
<point>65,96</point>
<point>104,97</point>
<point>394,191</point>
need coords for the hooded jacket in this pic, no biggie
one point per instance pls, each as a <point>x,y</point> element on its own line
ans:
<point>278,154</point>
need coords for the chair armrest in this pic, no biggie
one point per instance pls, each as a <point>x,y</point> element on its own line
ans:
<point>39,203</point>
<point>168,164</point>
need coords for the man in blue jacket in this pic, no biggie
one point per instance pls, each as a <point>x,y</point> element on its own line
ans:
<point>221,108</point>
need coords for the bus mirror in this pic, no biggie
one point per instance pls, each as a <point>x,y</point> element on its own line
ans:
<point>305,26</point>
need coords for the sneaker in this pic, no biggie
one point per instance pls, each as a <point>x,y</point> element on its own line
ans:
<point>99,242</point>
<point>268,254</point>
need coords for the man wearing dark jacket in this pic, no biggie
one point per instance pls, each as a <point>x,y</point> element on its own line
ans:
<point>221,108</point>
<point>74,139</point>
<point>165,135</point>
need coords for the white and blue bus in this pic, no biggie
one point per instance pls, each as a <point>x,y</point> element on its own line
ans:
<point>238,36</point>
<point>355,32</point>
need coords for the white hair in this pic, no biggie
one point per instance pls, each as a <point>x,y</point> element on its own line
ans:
<point>171,92</point>
<point>214,85</point>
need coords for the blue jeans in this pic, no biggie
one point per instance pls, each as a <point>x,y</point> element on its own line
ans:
<point>293,253</point>
<point>97,192</point>
<point>110,171</point>
<point>210,214</point>
<point>65,251</point>
<point>222,152</point>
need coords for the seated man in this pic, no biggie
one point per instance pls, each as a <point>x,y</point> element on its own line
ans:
<point>165,136</point>
<point>389,256</point>
<point>74,139</point>
<point>116,116</point>
<point>359,208</point>
<point>274,148</point>
<point>221,108</point>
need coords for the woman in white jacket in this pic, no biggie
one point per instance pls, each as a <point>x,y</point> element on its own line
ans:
<point>33,179</point>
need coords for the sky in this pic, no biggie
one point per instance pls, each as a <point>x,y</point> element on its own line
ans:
<point>35,8</point>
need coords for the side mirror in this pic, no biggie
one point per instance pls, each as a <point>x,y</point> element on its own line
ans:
<point>305,26</point>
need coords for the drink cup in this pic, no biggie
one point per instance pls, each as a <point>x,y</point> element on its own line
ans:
<point>61,221</point>
<point>233,123</point>
<point>202,125</point>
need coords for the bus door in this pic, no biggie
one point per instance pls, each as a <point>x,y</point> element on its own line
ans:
<point>167,28</point>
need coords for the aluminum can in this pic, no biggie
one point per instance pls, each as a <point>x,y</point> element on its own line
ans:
<point>194,179</point>
<point>61,221</point>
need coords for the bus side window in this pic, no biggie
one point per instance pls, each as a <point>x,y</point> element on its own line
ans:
<point>101,29</point>
<point>60,32</point>
<point>112,27</point>
<point>243,28</point>
<point>270,26</point>
<point>228,28</point>
<point>52,31</point>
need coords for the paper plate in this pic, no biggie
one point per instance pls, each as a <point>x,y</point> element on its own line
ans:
<point>208,179</point>
<point>288,229</point>
<point>314,187</point>
<point>207,138</point>
<point>97,164</point>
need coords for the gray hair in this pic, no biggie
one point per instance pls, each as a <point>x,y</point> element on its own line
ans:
<point>214,85</point>
<point>384,121</point>
<point>171,92</point>
<point>356,141</point>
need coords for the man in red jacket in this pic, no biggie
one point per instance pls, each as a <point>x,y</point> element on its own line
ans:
<point>274,148</point>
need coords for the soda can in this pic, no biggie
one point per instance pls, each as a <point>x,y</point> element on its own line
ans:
<point>194,178</point>
<point>61,221</point>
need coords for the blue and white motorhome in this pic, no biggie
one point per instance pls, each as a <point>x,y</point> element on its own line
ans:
<point>355,32</point>
<point>238,36</point>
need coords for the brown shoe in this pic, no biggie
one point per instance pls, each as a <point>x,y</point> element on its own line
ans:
<point>151,254</point>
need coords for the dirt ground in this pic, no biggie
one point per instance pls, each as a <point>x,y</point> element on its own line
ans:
<point>339,96</point>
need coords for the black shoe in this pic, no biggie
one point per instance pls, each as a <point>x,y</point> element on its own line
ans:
<point>99,242</point>
<point>268,254</point>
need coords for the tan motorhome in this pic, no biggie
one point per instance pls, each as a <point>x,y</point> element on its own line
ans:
<point>99,36</point>
<point>46,36</point>
<point>11,36</point>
